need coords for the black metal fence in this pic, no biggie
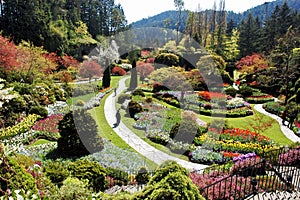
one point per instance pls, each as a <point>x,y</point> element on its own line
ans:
<point>272,171</point>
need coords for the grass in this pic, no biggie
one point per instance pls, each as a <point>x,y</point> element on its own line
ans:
<point>273,132</point>
<point>39,142</point>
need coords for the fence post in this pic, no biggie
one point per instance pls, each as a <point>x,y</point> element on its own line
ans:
<point>254,184</point>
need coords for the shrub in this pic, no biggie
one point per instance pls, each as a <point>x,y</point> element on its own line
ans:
<point>13,176</point>
<point>231,91</point>
<point>123,97</point>
<point>56,172</point>
<point>21,127</point>
<point>92,171</point>
<point>39,110</point>
<point>246,91</point>
<point>80,103</point>
<point>168,59</point>
<point>118,176</point>
<point>170,181</point>
<point>134,108</point>
<point>149,100</point>
<point>73,188</point>
<point>118,71</point>
<point>143,176</point>
<point>139,92</point>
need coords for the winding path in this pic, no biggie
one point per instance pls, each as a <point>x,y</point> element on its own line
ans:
<point>136,142</point>
<point>286,131</point>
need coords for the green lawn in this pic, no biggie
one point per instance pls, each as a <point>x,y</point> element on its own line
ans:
<point>273,132</point>
<point>39,142</point>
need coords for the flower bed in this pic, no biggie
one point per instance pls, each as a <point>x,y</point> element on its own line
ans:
<point>274,107</point>
<point>115,157</point>
<point>21,127</point>
<point>201,102</point>
<point>207,141</point>
<point>263,98</point>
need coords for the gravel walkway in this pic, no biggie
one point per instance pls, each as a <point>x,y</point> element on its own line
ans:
<point>136,142</point>
<point>285,130</point>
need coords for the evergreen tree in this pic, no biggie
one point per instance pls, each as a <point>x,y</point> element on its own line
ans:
<point>106,76</point>
<point>179,5</point>
<point>25,20</point>
<point>275,27</point>
<point>133,78</point>
<point>249,36</point>
<point>78,131</point>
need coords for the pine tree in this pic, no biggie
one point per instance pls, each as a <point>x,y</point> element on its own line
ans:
<point>78,131</point>
<point>106,76</point>
<point>249,36</point>
<point>133,79</point>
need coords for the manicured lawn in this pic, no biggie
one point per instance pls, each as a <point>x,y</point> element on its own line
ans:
<point>84,98</point>
<point>273,132</point>
<point>39,142</point>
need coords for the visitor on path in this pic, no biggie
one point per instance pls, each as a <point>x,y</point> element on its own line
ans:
<point>283,116</point>
<point>118,118</point>
<point>115,90</point>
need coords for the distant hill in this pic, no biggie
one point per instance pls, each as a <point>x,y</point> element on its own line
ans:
<point>168,19</point>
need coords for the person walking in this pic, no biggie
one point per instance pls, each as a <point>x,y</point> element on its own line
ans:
<point>118,119</point>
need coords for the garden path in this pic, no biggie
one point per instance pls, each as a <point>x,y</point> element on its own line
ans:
<point>286,131</point>
<point>136,142</point>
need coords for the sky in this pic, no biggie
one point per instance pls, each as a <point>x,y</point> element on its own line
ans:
<point>138,9</point>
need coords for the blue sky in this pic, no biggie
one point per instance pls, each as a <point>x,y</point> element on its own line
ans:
<point>138,9</point>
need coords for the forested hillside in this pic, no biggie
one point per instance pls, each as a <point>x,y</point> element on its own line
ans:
<point>167,19</point>
<point>61,26</point>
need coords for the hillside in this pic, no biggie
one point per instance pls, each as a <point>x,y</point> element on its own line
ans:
<point>168,19</point>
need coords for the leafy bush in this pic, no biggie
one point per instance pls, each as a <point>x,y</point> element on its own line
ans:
<point>92,171</point>
<point>118,71</point>
<point>73,188</point>
<point>80,103</point>
<point>123,97</point>
<point>231,91</point>
<point>143,176</point>
<point>245,91</point>
<point>170,181</point>
<point>39,110</point>
<point>168,59</point>
<point>138,92</point>
<point>118,176</point>
<point>57,172</point>
<point>13,176</point>
<point>134,108</point>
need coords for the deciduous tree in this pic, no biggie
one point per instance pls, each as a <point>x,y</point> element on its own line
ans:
<point>90,69</point>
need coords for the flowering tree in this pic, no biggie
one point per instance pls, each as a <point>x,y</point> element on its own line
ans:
<point>89,69</point>
<point>33,63</point>
<point>106,55</point>
<point>252,63</point>
<point>144,69</point>
<point>8,55</point>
